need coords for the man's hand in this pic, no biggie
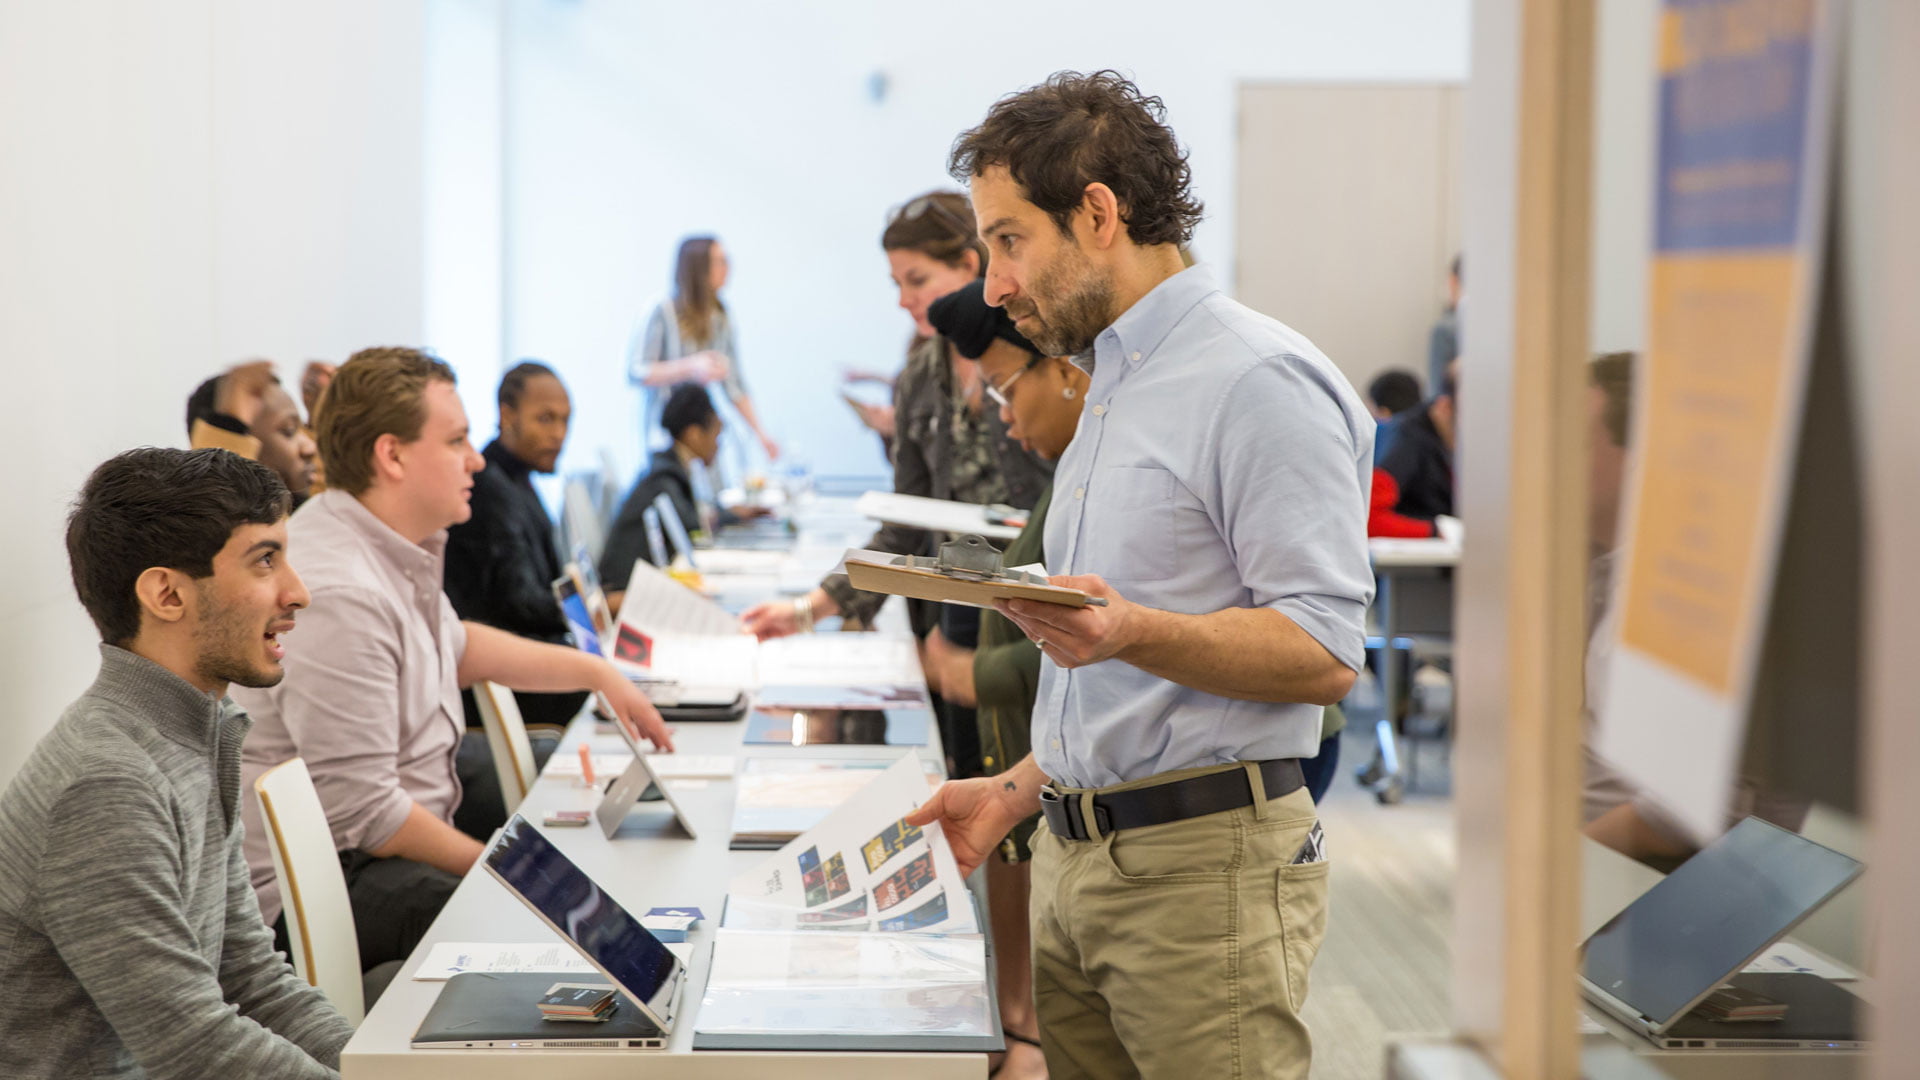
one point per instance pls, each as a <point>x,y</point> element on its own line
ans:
<point>975,814</point>
<point>1076,637</point>
<point>632,709</point>
<point>950,670</point>
<point>775,618</point>
<point>241,392</point>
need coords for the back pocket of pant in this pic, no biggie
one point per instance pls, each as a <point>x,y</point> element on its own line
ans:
<point>1303,922</point>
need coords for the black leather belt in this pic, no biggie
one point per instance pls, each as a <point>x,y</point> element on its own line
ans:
<point>1196,796</point>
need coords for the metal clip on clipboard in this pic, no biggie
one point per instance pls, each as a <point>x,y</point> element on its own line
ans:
<point>971,558</point>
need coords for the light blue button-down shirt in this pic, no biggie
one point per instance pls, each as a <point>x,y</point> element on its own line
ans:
<point>1222,461</point>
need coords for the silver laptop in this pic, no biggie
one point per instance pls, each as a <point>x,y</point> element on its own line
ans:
<point>1696,930</point>
<point>632,786</point>
<point>645,971</point>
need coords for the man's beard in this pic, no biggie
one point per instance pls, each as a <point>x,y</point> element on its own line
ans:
<point>227,645</point>
<point>1079,305</point>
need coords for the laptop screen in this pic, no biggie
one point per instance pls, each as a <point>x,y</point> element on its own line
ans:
<point>547,880</point>
<point>1711,916</point>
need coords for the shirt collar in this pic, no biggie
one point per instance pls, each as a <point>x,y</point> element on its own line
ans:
<point>175,707</point>
<point>428,554</point>
<point>1141,328</point>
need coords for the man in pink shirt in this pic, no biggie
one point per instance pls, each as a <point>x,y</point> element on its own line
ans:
<point>371,698</point>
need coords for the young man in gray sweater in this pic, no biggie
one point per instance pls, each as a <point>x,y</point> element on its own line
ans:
<point>130,941</point>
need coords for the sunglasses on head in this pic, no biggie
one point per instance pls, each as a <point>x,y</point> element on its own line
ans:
<point>925,204</point>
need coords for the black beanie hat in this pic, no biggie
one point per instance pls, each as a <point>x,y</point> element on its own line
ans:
<point>964,318</point>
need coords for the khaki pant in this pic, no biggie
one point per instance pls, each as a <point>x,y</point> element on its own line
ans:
<point>1178,951</point>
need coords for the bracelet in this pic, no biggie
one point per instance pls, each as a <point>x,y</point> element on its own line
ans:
<point>803,610</point>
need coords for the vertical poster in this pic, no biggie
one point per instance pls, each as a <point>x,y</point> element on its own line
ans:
<point>1745,112</point>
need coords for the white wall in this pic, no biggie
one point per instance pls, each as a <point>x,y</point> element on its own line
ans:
<point>631,125</point>
<point>183,185</point>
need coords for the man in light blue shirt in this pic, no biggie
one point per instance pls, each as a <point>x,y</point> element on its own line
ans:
<point>1215,497</point>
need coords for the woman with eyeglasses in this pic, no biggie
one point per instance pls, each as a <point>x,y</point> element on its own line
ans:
<point>688,338</point>
<point>1039,399</point>
<point>950,442</point>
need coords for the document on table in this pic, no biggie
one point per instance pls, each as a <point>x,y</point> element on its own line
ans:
<point>936,515</point>
<point>1786,957</point>
<point>449,958</point>
<point>811,986</point>
<point>860,868</point>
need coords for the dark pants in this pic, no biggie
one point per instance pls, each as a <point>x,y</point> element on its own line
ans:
<point>1319,770</point>
<point>959,726</point>
<point>395,900</point>
<point>482,808</point>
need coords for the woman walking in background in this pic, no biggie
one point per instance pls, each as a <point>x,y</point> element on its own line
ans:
<point>689,338</point>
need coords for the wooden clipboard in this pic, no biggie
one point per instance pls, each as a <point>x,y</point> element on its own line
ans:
<point>934,585</point>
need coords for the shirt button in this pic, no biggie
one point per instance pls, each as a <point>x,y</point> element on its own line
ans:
<point>1079,493</point>
<point>1055,744</point>
<point>1136,356</point>
<point>1099,410</point>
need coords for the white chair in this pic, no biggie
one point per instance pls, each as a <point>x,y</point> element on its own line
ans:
<point>581,521</point>
<point>507,739</point>
<point>313,891</point>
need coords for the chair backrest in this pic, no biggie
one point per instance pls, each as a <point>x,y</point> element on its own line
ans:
<point>507,738</point>
<point>313,891</point>
<point>581,521</point>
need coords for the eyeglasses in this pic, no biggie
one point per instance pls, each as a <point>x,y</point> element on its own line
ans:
<point>999,393</point>
<point>920,207</point>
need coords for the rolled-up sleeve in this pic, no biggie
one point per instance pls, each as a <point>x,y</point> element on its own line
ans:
<point>1292,501</point>
<point>341,706</point>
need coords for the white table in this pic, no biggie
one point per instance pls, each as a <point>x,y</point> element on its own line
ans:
<point>649,863</point>
<point>1392,560</point>
<point>1609,882</point>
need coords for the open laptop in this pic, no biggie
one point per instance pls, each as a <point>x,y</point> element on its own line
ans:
<point>634,784</point>
<point>1650,965</point>
<point>635,962</point>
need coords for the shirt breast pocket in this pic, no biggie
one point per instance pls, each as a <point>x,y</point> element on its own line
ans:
<point>1130,531</point>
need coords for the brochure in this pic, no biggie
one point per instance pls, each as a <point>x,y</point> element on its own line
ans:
<point>860,868</point>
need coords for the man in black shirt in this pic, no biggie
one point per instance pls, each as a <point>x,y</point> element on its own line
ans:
<point>695,427</point>
<point>1420,461</point>
<point>501,562</point>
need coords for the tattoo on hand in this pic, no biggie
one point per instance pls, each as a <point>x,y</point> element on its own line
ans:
<point>1011,786</point>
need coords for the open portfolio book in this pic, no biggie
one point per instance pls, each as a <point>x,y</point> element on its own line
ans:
<point>860,934</point>
<point>682,647</point>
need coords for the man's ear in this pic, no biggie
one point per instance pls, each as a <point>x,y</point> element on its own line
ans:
<point>1100,211</point>
<point>386,457</point>
<point>163,593</point>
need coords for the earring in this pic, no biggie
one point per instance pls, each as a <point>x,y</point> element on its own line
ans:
<point>1069,393</point>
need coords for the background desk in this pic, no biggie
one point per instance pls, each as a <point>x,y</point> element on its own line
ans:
<point>1415,583</point>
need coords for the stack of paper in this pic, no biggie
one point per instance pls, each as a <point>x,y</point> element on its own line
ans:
<point>670,633</point>
<point>904,958</point>
<point>777,799</point>
<point>860,868</point>
<point>934,515</point>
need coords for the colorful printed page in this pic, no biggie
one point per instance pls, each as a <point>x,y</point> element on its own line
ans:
<point>860,868</point>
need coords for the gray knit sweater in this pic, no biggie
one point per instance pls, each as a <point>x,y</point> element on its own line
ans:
<point>130,941</point>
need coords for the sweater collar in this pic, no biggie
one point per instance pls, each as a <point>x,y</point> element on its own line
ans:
<point>508,462</point>
<point>171,704</point>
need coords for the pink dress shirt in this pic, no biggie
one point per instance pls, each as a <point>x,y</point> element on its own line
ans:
<point>371,698</point>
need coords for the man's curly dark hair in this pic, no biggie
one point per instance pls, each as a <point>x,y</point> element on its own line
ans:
<point>1073,130</point>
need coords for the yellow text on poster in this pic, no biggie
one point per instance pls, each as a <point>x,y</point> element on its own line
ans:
<point>1717,376</point>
